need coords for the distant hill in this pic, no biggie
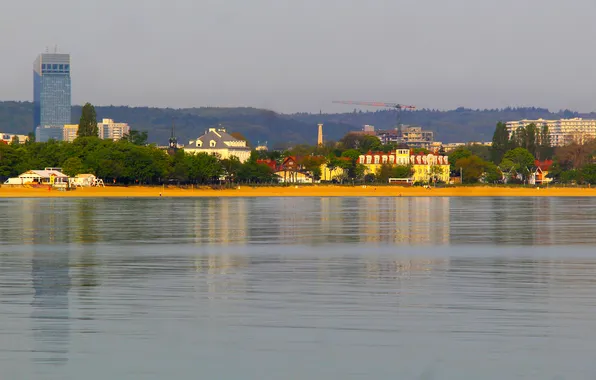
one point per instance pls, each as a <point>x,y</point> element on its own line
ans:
<point>256,124</point>
<point>459,125</point>
<point>260,125</point>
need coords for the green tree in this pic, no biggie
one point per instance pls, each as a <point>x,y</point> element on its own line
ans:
<point>545,148</point>
<point>73,166</point>
<point>520,138</point>
<point>532,136</point>
<point>370,144</point>
<point>457,154</point>
<point>8,160</point>
<point>179,167</point>
<point>472,167</point>
<point>500,143</point>
<point>570,176</point>
<point>492,174</point>
<point>312,164</point>
<point>402,171</point>
<point>384,172</point>
<point>136,137</point>
<point>231,167</point>
<point>481,151</point>
<point>362,143</point>
<point>352,154</point>
<point>435,173</point>
<point>588,174</point>
<point>252,172</point>
<point>519,160</point>
<point>350,163</point>
<point>204,167</point>
<point>88,122</point>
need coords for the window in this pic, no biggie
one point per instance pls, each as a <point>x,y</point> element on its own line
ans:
<point>54,67</point>
<point>376,159</point>
<point>368,159</point>
<point>212,143</point>
<point>384,159</point>
<point>66,67</point>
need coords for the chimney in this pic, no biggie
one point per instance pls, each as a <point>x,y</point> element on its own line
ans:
<point>320,137</point>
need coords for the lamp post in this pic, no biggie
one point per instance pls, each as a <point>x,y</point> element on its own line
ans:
<point>461,175</point>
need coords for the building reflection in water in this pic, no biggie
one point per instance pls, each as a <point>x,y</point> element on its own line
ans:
<point>404,221</point>
<point>292,220</point>
<point>220,221</point>
<point>51,281</point>
<point>86,232</point>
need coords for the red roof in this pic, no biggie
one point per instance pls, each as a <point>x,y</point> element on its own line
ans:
<point>543,165</point>
<point>271,163</point>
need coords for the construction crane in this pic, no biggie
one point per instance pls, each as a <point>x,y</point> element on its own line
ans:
<point>396,106</point>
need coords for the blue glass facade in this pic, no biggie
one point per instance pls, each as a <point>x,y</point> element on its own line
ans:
<point>49,132</point>
<point>51,92</point>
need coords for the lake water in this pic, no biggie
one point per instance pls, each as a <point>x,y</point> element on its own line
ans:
<point>298,288</point>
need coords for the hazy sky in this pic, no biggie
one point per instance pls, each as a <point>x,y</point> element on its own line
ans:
<point>299,55</point>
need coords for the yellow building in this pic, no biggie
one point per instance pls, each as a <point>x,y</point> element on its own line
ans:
<point>430,168</point>
<point>69,132</point>
<point>329,175</point>
<point>373,160</point>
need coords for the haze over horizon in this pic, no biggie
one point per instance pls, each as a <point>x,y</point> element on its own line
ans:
<point>298,56</point>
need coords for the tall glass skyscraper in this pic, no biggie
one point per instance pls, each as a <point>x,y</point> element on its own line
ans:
<point>51,95</point>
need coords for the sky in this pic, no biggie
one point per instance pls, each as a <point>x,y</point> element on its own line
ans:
<point>300,55</point>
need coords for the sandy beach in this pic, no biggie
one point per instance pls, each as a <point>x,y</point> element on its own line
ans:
<point>298,191</point>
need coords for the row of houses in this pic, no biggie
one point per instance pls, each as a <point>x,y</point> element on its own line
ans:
<point>292,169</point>
<point>53,177</point>
<point>425,167</point>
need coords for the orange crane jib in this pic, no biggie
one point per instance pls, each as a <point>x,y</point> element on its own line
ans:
<point>376,104</point>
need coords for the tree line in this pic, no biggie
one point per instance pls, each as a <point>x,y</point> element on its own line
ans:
<point>132,160</point>
<point>125,162</point>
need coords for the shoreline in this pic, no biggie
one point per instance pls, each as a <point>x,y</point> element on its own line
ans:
<point>296,191</point>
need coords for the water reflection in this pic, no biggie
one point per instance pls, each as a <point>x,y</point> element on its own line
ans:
<point>310,221</point>
<point>51,281</point>
<point>334,288</point>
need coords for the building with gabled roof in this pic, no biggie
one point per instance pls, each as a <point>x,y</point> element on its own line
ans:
<point>47,176</point>
<point>218,142</point>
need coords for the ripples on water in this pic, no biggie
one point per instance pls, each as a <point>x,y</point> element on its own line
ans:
<point>298,288</point>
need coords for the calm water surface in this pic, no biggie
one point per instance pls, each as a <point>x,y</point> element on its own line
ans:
<point>298,288</point>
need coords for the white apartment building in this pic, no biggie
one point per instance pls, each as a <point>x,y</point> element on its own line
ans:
<point>562,132</point>
<point>112,131</point>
